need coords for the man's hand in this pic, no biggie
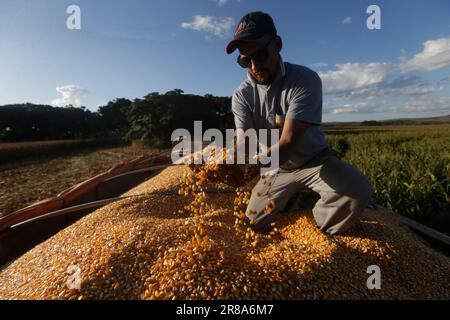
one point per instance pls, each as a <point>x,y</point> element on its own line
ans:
<point>230,174</point>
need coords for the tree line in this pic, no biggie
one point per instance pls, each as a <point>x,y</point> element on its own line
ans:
<point>152,118</point>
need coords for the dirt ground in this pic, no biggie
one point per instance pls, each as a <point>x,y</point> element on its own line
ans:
<point>25,182</point>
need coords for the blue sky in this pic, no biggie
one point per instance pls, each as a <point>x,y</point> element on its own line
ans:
<point>130,48</point>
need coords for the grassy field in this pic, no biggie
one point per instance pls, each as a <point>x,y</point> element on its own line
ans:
<point>10,151</point>
<point>408,166</point>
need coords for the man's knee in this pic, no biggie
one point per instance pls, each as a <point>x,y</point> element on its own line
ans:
<point>345,211</point>
<point>365,192</point>
<point>357,206</point>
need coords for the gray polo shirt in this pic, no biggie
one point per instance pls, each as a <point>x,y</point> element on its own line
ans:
<point>295,93</point>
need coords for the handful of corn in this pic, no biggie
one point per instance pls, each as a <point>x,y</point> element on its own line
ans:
<point>216,171</point>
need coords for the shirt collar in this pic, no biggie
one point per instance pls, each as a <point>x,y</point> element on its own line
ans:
<point>281,73</point>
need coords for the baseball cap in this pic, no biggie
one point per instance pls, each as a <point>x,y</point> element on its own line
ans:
<point>252,27</point>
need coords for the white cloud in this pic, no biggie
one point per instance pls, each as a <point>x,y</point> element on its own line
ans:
<point>71,94</point>
<point>351,76</point>
<point>220,3</point>
<point>420,91</point>
<point>344,110</point>
<point>358,80</point>
<point>358,88</point>
<point>347,20</point>
<point>435,55</point>
<point>413,105</point>
<point>319,65</point>
<point>212,25</point>
<point>444,81</point>
<point>407,86</point>
<point>362,93</point>
<point>351,108</point>
<point>424,105</point>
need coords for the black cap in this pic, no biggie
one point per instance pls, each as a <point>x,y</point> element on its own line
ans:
<point>252,26</point>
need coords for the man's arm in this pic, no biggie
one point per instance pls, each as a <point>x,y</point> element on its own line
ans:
<point>243,119</point>
<point>291,135</point>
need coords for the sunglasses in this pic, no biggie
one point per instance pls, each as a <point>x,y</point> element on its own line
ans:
<point>260,56</point>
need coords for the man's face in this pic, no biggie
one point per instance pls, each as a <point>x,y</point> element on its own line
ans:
<point>263,71</point>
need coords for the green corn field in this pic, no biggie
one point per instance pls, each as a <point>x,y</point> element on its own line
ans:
<point>408,166</point>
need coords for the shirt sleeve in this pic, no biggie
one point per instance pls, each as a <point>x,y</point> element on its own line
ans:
<point>243,118</point>
<point>305,103</point>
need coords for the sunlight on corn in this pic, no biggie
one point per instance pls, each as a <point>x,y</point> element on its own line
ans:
<point>194,245</point>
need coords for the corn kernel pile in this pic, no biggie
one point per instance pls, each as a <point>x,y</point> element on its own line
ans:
<point>194,245</point>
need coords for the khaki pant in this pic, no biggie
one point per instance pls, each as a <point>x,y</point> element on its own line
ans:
<point>344,193</point>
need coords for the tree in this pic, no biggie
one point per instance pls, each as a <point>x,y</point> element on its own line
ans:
<point>114,117</point>
<point>152,118</point>
<point>155,117</point>
<point>175,92</point>
<point>370,123</point>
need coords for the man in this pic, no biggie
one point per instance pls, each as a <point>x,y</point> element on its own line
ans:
<point>279,90</point>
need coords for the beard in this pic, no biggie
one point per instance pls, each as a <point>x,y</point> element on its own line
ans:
<point>263,76</point>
